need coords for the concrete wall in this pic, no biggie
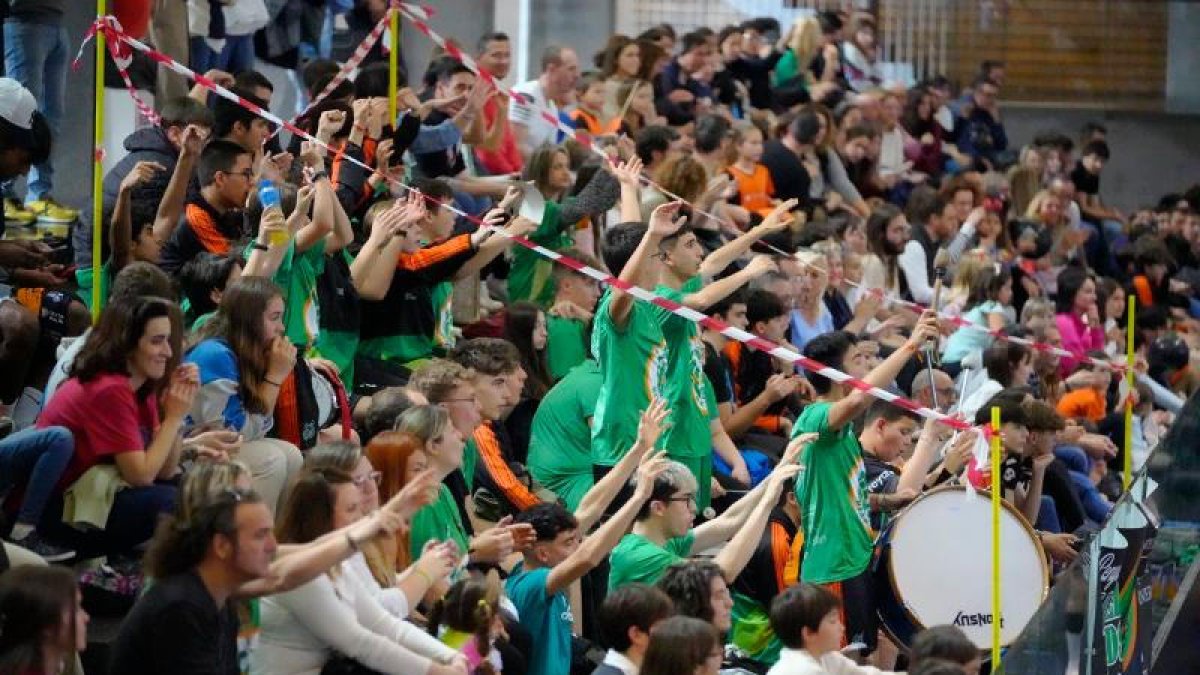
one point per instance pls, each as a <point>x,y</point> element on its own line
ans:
<point>1152,153</point>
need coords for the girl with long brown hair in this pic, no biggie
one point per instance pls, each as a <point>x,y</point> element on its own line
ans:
<point>129,365</point>
<point>42,620</point>
<point>243,359</point>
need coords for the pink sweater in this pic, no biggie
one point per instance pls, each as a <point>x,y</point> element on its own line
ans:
<point>1077,338</point>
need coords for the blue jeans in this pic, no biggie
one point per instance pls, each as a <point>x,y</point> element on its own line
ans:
<point>36,56</point>
<point>35,458</point>
<point>131,522</point>
<point>236,56</point>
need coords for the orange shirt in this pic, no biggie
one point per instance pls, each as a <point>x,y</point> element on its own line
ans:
<point>592,124</point>
<point>1086,403</point>
<point>755,189</point>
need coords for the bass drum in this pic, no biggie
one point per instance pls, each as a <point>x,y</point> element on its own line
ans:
<point>935,567</point>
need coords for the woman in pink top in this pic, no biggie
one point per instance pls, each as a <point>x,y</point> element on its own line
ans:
<point>1078,316</point>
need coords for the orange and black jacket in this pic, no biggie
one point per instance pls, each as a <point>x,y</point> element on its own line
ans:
<point>751,370</point>
<point>495,470</point>
<point>407,309</point>
<point>202,228</point>
<point>765,576</point>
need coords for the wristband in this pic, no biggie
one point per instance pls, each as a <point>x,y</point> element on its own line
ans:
<point>418,571</point>
<point>260,247</point>
<point>272,382</point>
<point>318,175</point>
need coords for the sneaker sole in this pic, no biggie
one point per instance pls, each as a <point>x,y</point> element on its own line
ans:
<point>58,557</point>
<point>56,221</point>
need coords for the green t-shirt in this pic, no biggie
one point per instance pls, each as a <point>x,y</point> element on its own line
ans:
<point>752,631</point>
<point>560,442</point>
<point>297,276</point>
<point>831,491</point>
<point>531,276</point>
<point>443,312</point>
<point>548,618</point>
<point>633,361</point>
<point>637,559</point>
<point>441,521</point>
<point>566,346</point>
<point>470,461</point>
<point>84,278</point>
<point>688,434</point>
<point>339,346</point>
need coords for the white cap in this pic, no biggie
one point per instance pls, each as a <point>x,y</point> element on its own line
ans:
<point>17,105</point>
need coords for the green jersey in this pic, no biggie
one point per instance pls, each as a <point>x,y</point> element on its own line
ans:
<point>633,361</point>
<point>85,278</point>
<point>566,346</point>
<point>297,276</point>
<point>439,520</point>
<point>531,276</point>
<point>470,461</point>
<point>688,435</point>
<point>560,443</point>
<point>442,295</point>
<point>831,491</point>
<point>637,559</point>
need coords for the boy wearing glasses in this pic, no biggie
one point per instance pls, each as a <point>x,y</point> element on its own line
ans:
<point>663,534</point>
<point>212,220</point>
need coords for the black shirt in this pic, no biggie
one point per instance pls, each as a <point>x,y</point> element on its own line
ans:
<point>719,373</point>
<point>788,174</point>
<point>177,628</point>
<point>210,230</point>
<point>882,479</point>
<point>1086,182</point>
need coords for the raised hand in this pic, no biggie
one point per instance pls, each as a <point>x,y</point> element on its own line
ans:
<point>140,174</point>
<point>330,122</point>
<point>778,219</point>
<point>383,155</point>
<point>666,220</point>
<point>511,197</point>
<point>312,155</point>
<point>650,469</point>
<point>438,559</point>
<point>419,492</point>
<point>193,139</point>
<point>926,329</point>
<point>760,265</point>
<point>520,227</point>
<point>650,424</point>
<point>628,174</point>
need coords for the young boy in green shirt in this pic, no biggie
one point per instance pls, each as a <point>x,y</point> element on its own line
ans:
<point>832,491</point>
<point>663,534</point>
<point>560,442</point>
<point>568,319</point>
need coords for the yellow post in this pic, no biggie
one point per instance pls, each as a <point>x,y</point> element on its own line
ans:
<point>394,65</point>
<point>98,167</point>
<point>996,488</point>
<point>1127,476</point>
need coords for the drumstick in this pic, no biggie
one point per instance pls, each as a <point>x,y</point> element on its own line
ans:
<point>940,262</point>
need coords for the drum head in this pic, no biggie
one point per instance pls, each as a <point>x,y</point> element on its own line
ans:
<point>940,565</point>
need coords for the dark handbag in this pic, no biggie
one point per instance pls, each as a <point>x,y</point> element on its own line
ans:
<point>339,664</point>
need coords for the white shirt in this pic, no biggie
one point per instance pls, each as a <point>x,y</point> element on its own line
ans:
<point>621,662</point>
<point>891,152</point>
<point>800,662</point>
<point>303,627</point>
<point>539,130</point>
<point>62,367</point>
<point>392,599</point>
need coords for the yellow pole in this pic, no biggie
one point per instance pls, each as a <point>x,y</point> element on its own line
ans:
<point>1127,477</point>
<point>98,167</point>
<point>996,489</point>
<point>394,65</point>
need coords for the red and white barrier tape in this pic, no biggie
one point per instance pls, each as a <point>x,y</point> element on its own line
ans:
<point>637,292</point>
<point>356,59</point>
<point>122,57</point>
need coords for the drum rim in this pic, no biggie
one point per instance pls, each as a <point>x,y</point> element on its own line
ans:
<point>891,570</point>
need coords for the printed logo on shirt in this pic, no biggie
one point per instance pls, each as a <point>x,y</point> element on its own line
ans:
<point>698,377</point>
<point>656,369</point>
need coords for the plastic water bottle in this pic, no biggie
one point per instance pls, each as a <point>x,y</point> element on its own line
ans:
<point>268,196</point>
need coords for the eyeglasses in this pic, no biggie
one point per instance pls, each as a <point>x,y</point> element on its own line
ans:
<point>375,477</point>
<point>689,498</point>
<point>247,174</point>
